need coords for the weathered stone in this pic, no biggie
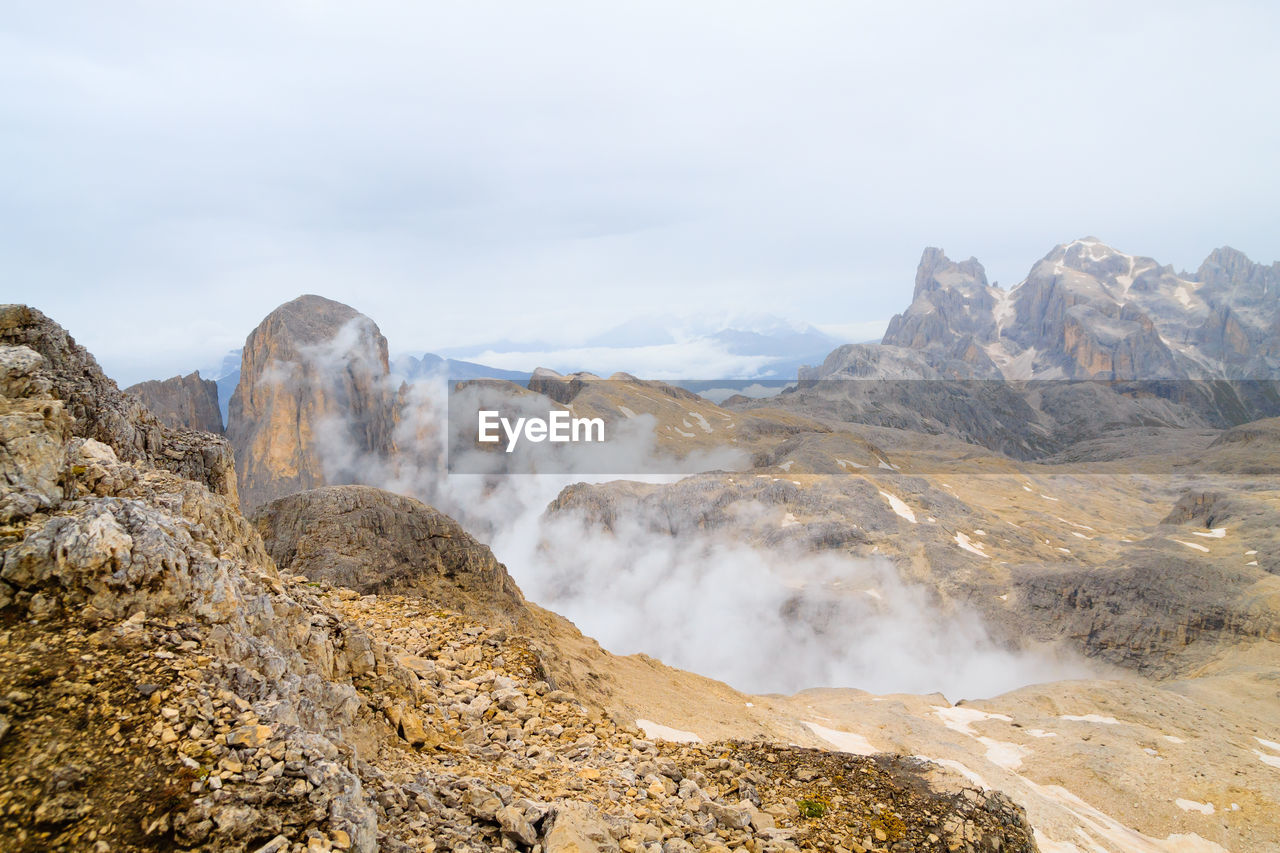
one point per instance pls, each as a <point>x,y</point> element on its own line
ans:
<point>312,392</point>
<point>182,402</point>
<point>516,826</point>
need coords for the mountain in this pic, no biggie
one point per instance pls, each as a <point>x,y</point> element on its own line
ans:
<point>1093,346</point>
<point>314,374</point>
<point>1242,331</point>
<point>353,666</point>
<point>428,364</point>
<point>1088,311</point>
<point>182,401</point>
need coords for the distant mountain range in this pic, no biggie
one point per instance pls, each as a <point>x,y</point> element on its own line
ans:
<point>672,348</point>
<point>1085,311</point>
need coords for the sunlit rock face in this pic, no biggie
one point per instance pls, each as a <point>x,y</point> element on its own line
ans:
<point>314,399</point>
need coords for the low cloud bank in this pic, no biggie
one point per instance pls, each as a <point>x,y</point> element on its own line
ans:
<point>761,619</point>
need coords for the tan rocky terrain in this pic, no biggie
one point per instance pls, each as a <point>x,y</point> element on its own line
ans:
<point>182,401</point>
<point>1170,590</point>
<point>164,686</point>
<point>684,423</point>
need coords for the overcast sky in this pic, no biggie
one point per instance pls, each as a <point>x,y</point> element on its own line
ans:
<point>466,171</point>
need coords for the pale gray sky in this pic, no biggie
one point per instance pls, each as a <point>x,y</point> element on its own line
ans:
<point>467,171</point>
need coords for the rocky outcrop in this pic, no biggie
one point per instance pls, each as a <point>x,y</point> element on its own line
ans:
<point>1160,613</point>
<point>97,409</point>
<point>313,406</point>
<point>374,541</point>
<point>185,402</point>
<point>952,316</point>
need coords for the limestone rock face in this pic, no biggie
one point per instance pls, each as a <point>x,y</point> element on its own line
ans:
<point>313,404</point>
<point>952,315</point>
<point>1243,327</point>
<point>99,410</point>
<point>375,541</point>
<point>1088,311</point>
<point>185,402</point>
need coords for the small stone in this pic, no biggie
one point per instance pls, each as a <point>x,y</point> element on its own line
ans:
<point>516,826</point>
<point>275,845</point>
<point>250,736</point>
<point>511,699</point>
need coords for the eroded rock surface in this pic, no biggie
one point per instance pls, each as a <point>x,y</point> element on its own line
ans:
<point>185,402</point>
<point>99,410</point>
<point>374,541</point>
<point>313,404</point>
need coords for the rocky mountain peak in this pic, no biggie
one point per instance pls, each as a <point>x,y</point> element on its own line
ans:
<point>952,316</point>
<point>310,320</point>
<point>189,402</point>
<point>938,272</point>
<point>313,397</point>
<point>1226,266</point>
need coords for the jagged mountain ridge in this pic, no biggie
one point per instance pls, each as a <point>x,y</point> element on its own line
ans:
<point>1088,311</point>
<point>1092,343</point>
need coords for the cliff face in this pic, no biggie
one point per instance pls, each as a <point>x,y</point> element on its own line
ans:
<point>313,402</point>
<point>184,402</point>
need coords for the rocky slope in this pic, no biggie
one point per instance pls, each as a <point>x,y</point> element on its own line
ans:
<point>164,686</point>
<point>1155,567</point>
<point>313,373</point>
<point>187,402</point>
<point>96,409</point>
<point>373,541</point>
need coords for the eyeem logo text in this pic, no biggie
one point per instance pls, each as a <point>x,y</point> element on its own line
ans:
<point>557,427</point>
